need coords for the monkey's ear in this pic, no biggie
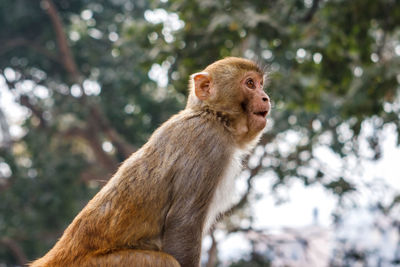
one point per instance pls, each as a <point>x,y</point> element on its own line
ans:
<point>202,85</point>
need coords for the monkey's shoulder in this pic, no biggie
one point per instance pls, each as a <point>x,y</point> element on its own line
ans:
<point>188,127</point>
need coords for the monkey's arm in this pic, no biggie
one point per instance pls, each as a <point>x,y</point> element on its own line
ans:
<point>195,175</point>
<point>183,227</point>
<point>183,234</point>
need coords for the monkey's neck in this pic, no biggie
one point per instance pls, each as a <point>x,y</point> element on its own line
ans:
<point>234,124</point>
<point>223,117</point>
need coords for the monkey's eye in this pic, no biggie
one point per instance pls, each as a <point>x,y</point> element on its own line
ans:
<point>250,83</point>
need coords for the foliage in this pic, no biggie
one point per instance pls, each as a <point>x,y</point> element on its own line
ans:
<point>95,88</point>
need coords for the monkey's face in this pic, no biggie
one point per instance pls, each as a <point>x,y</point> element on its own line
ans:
<point>255,102</point>
<point>233,86</point>
<point>240,93</point>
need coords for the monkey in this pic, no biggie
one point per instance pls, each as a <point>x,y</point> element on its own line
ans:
<point>163,199</point>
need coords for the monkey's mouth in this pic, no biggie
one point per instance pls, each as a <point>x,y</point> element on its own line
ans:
<point>261,113</point>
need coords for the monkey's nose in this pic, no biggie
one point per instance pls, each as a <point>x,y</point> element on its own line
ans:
<point>264,96</point>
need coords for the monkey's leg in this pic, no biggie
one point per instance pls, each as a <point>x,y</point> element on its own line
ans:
<point>133,258</point>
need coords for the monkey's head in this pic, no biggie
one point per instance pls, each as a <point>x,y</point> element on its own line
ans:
<point>232,87</point>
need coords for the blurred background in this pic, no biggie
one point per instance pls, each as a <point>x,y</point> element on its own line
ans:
<point>83,84</point>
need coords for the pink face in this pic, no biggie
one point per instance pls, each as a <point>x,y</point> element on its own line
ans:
<point>257,103</point>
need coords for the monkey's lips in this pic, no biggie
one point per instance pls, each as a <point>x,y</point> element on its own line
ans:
<point>261,113</point>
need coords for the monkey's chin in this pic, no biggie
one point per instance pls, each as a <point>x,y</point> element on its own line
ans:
<point>258,123</point>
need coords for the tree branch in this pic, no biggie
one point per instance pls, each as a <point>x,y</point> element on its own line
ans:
<point>69,63</point>
<point>265,139</point>
<point>122,146</point>
<point>5,183</point>
<point>16,250</point>
<point>65,52</point>
<point>212,252</point>
<point>243,200</point>
<point>310,14</point>
<point>24,101</point>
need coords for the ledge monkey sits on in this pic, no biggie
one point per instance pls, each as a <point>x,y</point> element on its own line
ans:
<point>155,210</point>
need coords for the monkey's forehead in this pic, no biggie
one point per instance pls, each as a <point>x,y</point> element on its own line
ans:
<point>237,63</point>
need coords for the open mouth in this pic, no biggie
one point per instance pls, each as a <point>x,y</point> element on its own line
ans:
<point>261,113</point>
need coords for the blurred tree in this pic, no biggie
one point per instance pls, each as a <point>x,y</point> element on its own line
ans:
<point>95,78</point>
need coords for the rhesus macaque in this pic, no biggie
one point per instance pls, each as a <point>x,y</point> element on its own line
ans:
<point>164,198</point>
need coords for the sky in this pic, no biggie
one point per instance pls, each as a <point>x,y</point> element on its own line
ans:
<point>298,210</point>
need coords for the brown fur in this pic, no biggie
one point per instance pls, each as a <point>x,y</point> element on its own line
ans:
<point>152,211</point>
